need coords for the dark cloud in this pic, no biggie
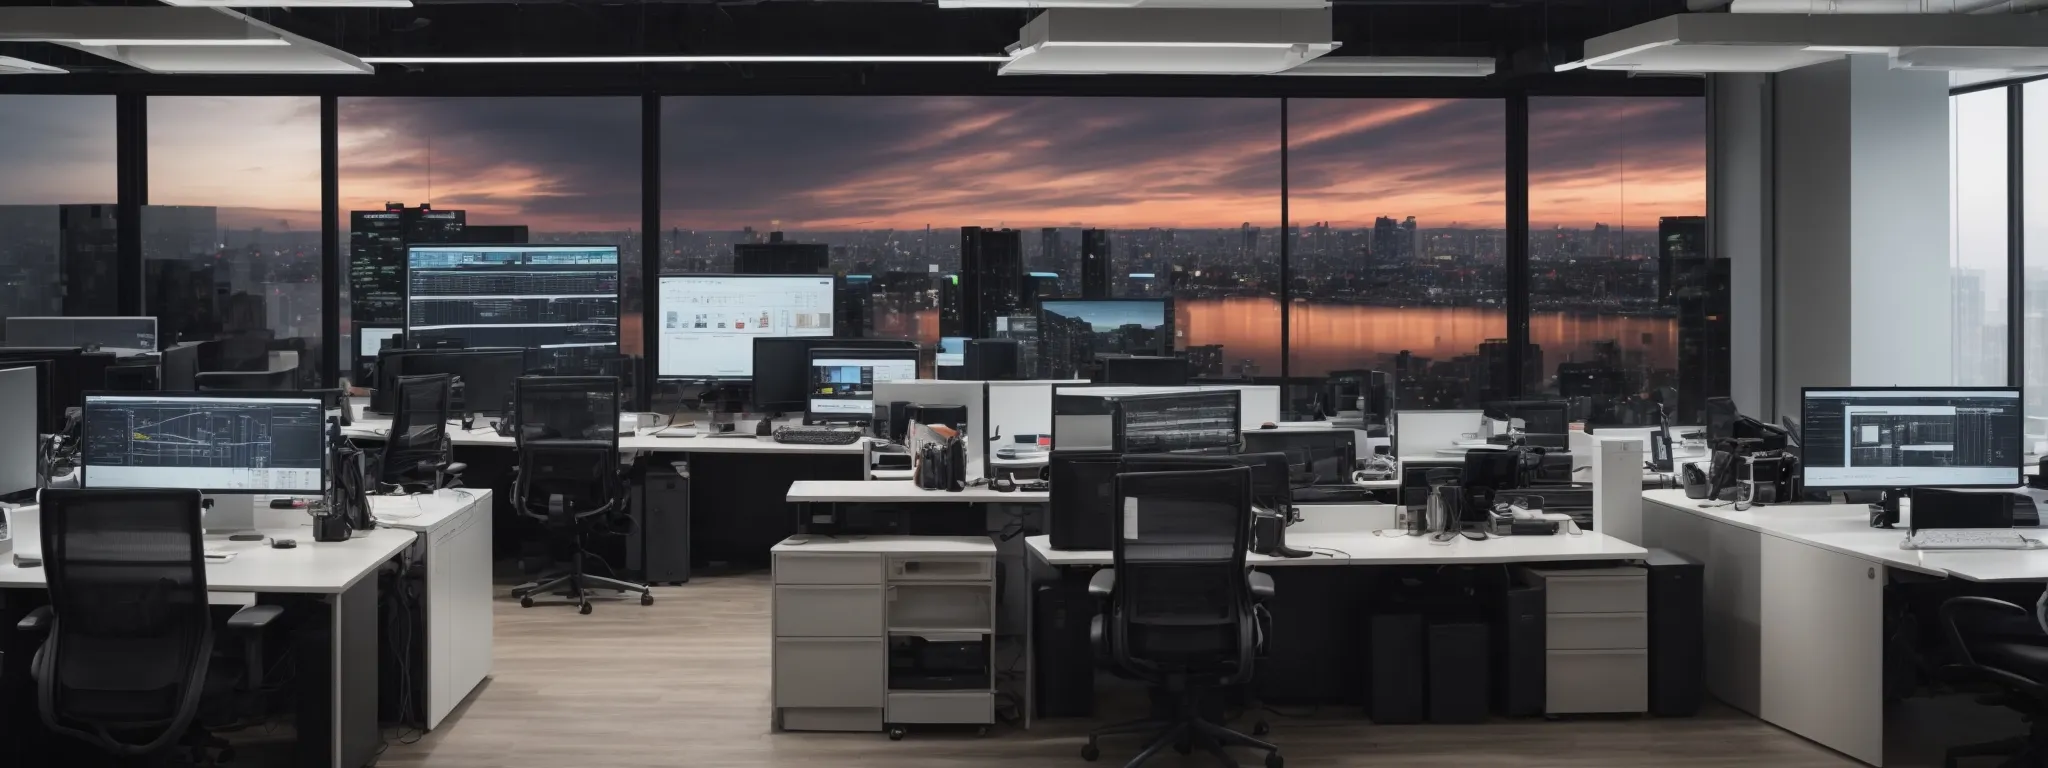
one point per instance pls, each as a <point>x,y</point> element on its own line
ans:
<point>57,149</point>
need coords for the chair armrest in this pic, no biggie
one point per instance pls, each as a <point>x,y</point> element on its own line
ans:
<point>254,617</point>
<point>1103,584</point>
<point>1953,607</point>
<point>454,468</point>
<point>37,620</point>
<point>1261,584</point>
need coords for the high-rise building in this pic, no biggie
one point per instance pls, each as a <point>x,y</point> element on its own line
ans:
<point>1412,242</point>
<point>1387,239</point>
<point>1601,244</point>
<point>376,255</point>
<point>1679,238</point>
<point>991,278</point>
<point>780,257</point>
<point>1704,337</point>
<point>87,247</point>
<point>1052,250</point>
<point>1095,264</point>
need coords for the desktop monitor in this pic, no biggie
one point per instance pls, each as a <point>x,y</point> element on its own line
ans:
<point>19,441</point>
<point>843,381</point>
<point>1545,423</point>
<point>370,340</point>
<point>49,419</point>
<point>486,375</point>
<point>705,325</point>
<point>1316,456</point>
<point>122,335</point>
<point>241,443</point>
<point>73,371</point>
<point>1886,438</point>
<point>178,364</point>
<point>134,378</point>
<point>280,380</point>
<point>1070,331</point>
<point>384,385</point>
<point>782,367</point>
<point>952,352</point>
<point>1145,371</point>
<point>993,360</point>
<point>562,298</point>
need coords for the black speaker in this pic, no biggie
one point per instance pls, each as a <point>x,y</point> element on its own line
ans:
<point>1677,634</point>
<point>1082,502</point>
<point>1065,663</point>
<point>1457,672</point>
<point>1397,684</point>
<point>1519,642</point>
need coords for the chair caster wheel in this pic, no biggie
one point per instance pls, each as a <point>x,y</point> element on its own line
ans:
<point>1273,761</point>
<point>981,730</point>
<point>1261,728</point>
<point>646,599</point>
<point>1089,752</point>
<point>583,609</point>
<point>896,733</point>
<point>526,602</point>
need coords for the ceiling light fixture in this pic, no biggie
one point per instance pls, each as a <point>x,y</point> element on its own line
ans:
<point>291,3</point>
<point>140,41</point>
<point>997,59</point>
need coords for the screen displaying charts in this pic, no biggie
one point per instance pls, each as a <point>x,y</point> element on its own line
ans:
<point>560,299</point>
<point>844,387</point>
<point>706,324</point>
<point>208,443</point>
<point>1903,438</point>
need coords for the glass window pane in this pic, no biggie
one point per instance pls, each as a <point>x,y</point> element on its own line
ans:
<point>487,171</point>
<point>1627,307</point>
<point>57,194</point>
<point>2034,328</point>
<point>1398,249</point>
<point>231,237</point>
<point>1978,259</point>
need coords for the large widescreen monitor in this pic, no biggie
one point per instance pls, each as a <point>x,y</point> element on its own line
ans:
<point>560,300</point>
<point>706,324</point>
<point>1073,333</point>
<point>215,443</point>
<point>1886,438</point>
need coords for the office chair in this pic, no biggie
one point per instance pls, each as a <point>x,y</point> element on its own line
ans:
<point>417,451</point>
<point>1179,610</point>
<point>129,635</point>
<point>569,477</point>
<point>2015,664</point>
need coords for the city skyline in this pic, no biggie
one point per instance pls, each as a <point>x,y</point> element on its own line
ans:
<point>572,164</point>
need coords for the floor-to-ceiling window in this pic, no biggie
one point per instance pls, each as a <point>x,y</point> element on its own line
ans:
<point>1978,256</point>
<point>1628,308</point>
<point>1398,252</point>
<point>488,171</point>
<point>57,195</point>
<point>2033,319</point>
<point>231,235</point>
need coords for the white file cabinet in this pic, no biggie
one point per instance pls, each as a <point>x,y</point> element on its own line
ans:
<point>1596,639</point>
<point>883,632</point>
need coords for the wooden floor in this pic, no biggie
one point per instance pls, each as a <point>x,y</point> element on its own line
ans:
<point>684,682</point>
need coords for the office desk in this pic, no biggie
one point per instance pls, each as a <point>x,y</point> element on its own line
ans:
<point>902,491</point>
<point>340,574</point>
<point>454,541</point>
<point>1796,607</point>
<point>1651,478</point>
<point>1369,548</point>
<point>372,427</point>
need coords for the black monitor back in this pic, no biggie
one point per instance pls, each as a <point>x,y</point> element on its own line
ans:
<point>281,380</point>
<point>1315,456</point>
<point>1082,501</point>
<point>487,375</point>
<point>73,372</point>
<point>1271,480</point>
<point>993,360</point>
<point>1145,371</point>
<point>177,365</point>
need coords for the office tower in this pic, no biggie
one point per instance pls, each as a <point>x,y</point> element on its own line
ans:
<point>1051,250</point>
<point>1601,244</point>
<point>376,262</point>
<point>1205,360</point>
<point>88,242</point>
<point>1386,241</point>
<point>30,266</point>
<point>1678,238</point>
<point>1412,241</point>
<point>1095,264</point>
<point>494,234</point>
<point>1704,337</point>
<point>781,257</point>
<point>952,307</point>
<point>991,278</point>
<point>187,285</point>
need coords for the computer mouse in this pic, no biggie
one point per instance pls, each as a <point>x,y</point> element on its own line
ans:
<point>1269,425</point>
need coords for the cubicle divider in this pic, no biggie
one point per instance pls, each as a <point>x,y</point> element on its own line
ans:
<point>972,394</point>
<point>1258,404</point>
<point>1423,433</point>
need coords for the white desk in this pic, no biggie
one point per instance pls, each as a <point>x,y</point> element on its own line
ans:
<point>901,491</point>
<point>340,573</point>
<point>1795,607</point>
<point>454,541</point>
<point>372,427</point>
<point>1368,548</point>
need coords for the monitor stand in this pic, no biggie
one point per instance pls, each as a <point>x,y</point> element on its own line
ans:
<point>1885,513</point>
<point>232,513</point>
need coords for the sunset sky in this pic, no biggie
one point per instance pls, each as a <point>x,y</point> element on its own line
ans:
<point>569,164</point>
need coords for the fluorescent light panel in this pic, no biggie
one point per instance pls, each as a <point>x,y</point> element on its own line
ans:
<point>988,59</point>
<point>291,3</point>
<point>195,41</point>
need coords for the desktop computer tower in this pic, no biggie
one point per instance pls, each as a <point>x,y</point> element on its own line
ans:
<point>1520,633</point>
<point>1080,515</point>
<point>1457,672</point>
<point>1397,688</point>
<point>659,548</point>
<point>1677,602</point>
<point>1065,665</point>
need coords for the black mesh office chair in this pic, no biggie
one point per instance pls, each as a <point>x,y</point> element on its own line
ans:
<point>1179,611</point>
<point>569,477</point>
<point>417,452</point>
<point>129,635</point>
<point>2002,648</point>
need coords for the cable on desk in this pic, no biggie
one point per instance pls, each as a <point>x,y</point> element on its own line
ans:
<point>1327,552</point>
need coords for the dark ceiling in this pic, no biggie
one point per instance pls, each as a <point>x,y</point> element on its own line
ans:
<point>1526,37</point>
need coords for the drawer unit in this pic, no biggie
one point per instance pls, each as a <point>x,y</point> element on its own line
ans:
<point>828,569</point>
<point>828,611</point>
<point>831,718</point>
<point>1593,590</point>
<point>835,672</point>
<point>956,707</point>
<point>907,569</point>
<point>1595,631</point>
<point>1596,681</point>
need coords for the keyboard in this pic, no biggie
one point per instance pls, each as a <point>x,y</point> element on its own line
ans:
<point>1968,538</point>
<point>816,435</point>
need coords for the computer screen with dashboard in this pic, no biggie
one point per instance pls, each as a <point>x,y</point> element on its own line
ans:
<point>240,444</point>
<point>706,324</point>
<point>1073,332</point>
<point>1884,438</point>
<point>843,381</point>
<point>560,300</point>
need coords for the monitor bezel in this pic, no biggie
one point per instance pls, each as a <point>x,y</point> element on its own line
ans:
<point>318,404</point>
<point>2019,468</point>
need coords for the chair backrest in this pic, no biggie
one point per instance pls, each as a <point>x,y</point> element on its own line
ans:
<point>1181,601</point>
<point>561,481</point>
<point>567,408</point>
<point>419,425</point>
<point>126,657</point>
